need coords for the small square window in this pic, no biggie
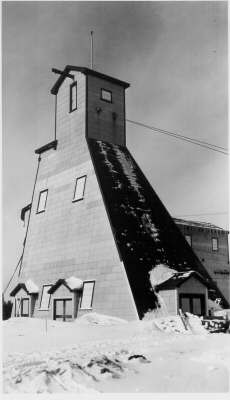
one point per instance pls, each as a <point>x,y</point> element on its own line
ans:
<point>215,244</point>
<point>73,97</point>
<point>45,298</point>
<point>79,188</point>
<point>42,201</point>
<point>189,239</point>
<point>106,95</point>
<point>87,295</point>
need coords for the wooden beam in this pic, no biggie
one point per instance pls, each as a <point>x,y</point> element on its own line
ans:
<point>63,73</point>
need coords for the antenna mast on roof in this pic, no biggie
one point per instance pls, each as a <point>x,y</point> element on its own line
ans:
<point>91,48</point>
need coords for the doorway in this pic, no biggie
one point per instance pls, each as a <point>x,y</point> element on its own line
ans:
<point>63,309</point>
<point>192,303</point>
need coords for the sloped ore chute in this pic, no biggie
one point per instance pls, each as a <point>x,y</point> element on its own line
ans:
<point>145,233</point>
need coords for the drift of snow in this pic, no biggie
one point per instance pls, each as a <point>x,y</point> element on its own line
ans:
<point>223,313</point>
<point>31,287</point>
<point>74,283</point>
<point>138,356</point>
<point>160,273</point>
<point>99,319</point>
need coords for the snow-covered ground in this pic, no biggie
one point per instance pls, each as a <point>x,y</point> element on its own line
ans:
<point>101,354</point>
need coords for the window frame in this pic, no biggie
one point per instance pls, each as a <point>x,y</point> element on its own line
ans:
<point>45,309</point>
<point>17,308</point>
<point>27,300</point>
<point>40,193</point>
<point>92,296</point>
<point>75,187</point>
<point>63,316</point>
<point>108,91</point>
<point>217,244</point>
<point>74,84</point>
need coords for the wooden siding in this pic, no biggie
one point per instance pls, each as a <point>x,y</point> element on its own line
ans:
<point>101,125</point>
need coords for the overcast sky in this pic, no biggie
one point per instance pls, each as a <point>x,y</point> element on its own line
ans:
<point>174,55</point>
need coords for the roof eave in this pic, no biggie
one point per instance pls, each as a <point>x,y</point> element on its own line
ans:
<point>86,71</point>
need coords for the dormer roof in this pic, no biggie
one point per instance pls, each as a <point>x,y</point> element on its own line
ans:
<point>29,287</point>
<point>86,71</point>
<point>72,283</point>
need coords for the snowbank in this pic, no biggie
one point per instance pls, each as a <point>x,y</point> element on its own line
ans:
<point>223,313</point>
<point>99,319</point>
<point>113,356</point>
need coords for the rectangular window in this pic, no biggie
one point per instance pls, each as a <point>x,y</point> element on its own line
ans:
<point>42,201</point>
<point>87,295</point>
<point>25,307</point>
<point>215,244</point>
<point>189,239</point>
<point>106,95</point>
<point>73,97</point>
<point>79,188</point>
<point>45,298</point>
<point>17,307</point>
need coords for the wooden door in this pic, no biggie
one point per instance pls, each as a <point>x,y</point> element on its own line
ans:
<point>192,303</point>
<point>63,309</point>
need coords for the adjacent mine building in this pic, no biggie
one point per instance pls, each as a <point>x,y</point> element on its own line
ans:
<point>210,243</point>
<point>95,228</point>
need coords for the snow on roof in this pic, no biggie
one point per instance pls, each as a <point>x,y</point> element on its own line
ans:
<point>31,287</point>
<point>71,283</point>
<point>160,273</point>
<point>74,283</point>
<point>178,278</point>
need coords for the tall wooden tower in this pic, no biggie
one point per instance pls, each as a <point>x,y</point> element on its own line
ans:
<point>95,228</point>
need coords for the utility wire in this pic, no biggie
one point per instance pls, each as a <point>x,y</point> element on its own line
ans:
<point>176,134</point>
<point>19,262</point>
<point>28,223</point>
<point>188,139</point>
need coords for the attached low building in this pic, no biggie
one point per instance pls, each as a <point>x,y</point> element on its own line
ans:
<point>210,243</point>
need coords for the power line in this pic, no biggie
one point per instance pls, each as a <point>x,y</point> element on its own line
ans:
<point>188,139</point>
<point>8,284</point>
<point>176,134</point>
